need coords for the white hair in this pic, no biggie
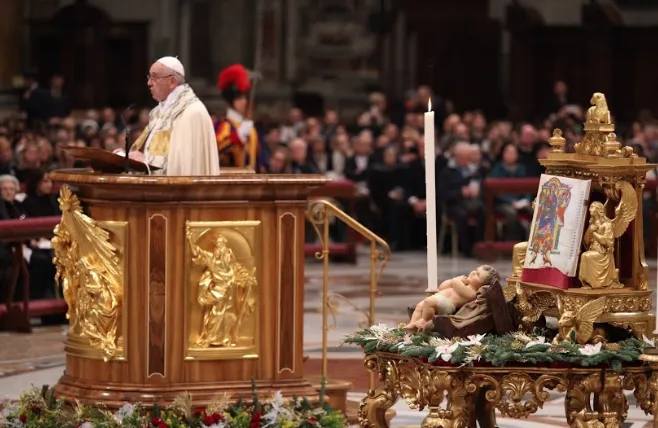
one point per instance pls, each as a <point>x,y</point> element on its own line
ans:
<point>461,146</point>
<point>8,177</point>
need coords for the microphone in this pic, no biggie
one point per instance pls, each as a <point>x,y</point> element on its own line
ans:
<point>126,130</point>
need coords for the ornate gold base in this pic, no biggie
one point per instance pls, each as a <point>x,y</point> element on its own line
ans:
<point>462,396</point>
<point>353,413</point>
<point>625,308</point>
<point>114,396</point>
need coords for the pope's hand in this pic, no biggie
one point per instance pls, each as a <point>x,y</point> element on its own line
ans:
<point>137,155</point>
<point>245,129</point>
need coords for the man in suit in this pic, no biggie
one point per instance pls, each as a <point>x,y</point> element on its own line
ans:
<point>459,191</point>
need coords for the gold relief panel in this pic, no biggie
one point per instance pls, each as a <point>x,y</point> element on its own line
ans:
<point>221,260</point>
<point>90,261</point>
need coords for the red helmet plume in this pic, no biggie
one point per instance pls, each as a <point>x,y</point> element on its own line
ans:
<point>234,77</point>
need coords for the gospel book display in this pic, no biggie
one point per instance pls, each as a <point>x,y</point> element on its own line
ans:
<point>575,316</point>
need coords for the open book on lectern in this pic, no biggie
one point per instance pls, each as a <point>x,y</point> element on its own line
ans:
<point>107,162</point>
<point>556,232</point>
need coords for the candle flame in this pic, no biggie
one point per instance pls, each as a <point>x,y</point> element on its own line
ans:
<point>429,104</point>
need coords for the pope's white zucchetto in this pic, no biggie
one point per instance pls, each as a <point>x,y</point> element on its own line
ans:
<point>173,64</point>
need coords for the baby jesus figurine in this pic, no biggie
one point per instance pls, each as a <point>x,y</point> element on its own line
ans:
<point>452,295</point>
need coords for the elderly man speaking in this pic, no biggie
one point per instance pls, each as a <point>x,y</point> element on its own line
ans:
<point>179,138</point>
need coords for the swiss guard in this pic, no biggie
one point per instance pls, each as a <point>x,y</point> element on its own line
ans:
<point>237,138</point>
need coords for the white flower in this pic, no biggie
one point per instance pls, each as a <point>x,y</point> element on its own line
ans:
<point>86,425</point>
<point>649,342</point>
<point>406,340</point>
<point>218,425</point>
<point>539,340</point>
<point>10,409</point>
<point>473,340</point>
<point>445,351</point>
<point>589,350</point>
<point>277,410</point>
<point>125,411</point>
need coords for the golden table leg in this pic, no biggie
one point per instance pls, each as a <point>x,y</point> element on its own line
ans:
<point>372,411</point>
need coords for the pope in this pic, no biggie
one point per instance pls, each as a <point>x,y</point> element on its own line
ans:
<point>179,138</point>
<point>237,139</point>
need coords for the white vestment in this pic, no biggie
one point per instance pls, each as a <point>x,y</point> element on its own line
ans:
<point>180,138</point>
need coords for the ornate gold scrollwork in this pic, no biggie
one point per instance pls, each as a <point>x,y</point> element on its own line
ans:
<point>90,265</point>
<point>594,400</point>
<point>222,315</point>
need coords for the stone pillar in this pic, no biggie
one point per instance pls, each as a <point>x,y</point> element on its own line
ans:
<point>184,28</point>
<point>11,40</point>
<point>228,33</point>
<point>291,39</point>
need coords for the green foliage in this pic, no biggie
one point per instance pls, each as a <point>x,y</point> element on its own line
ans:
<point>40,408</point>
<point>515,348</point>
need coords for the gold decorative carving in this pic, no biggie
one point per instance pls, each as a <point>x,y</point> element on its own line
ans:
<point>594,395</point>
<point>557,141</point>
<point>599,113</point>
<point>533,306</point>
<point>223,283</point>
<point>89,258</point>
<point>578,326</point>
<point>597,264</point>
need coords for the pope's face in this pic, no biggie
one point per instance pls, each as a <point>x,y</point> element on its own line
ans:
<point>160,81</point>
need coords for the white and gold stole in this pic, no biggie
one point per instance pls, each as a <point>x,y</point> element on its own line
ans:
<point>155,138</point>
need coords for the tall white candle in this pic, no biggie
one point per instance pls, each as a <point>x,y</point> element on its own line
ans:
<point>430,200</point>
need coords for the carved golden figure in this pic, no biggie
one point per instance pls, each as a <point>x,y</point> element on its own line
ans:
<point>226,292</point>
<point>88,266</point>
<point>579,323</point>
<point>597,264</point>
<point>534,306</point>
<point>599,112</point>
<point>65,260</point>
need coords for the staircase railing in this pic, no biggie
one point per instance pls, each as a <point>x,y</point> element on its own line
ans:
<point>319,213</point>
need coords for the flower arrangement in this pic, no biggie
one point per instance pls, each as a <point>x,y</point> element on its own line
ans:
<point>482,349</point>
<point>39,408</point>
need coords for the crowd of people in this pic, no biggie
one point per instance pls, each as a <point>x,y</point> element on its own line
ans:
<point>380,152</point>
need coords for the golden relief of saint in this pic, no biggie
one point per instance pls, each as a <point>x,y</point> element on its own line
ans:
<point>226,293</point>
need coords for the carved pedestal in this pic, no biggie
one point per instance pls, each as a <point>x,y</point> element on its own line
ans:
<point>181,284</point>
<point>457,396</point>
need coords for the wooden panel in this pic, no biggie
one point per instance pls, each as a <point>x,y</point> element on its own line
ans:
<point>157,209</point>
<point>288,259</point>
<point>157,236</point>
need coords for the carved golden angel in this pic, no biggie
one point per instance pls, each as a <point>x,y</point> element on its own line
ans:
<point>534,306</point>
<point>597,263</point>
<point>86,258</point>
<point>580,323</point>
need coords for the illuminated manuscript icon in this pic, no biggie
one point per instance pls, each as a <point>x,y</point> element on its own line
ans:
<point>553,201</point>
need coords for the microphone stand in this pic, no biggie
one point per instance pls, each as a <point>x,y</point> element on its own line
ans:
<point>126,160</point>
<point>127,130</point>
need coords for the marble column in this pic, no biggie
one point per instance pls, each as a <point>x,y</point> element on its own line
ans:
<point>229,33</point>
<point>11,40</point>
<point>184,28</point>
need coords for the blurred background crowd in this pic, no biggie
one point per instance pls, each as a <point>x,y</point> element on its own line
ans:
<point>524,61</point>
